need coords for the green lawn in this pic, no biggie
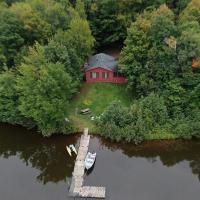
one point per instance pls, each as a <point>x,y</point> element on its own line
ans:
<point>96,97</point>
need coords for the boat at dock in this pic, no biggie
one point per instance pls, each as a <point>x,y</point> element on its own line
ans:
<point>76,188</point>
<point>90,160</point>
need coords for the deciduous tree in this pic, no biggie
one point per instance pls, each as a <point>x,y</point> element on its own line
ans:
<point>45,91</point>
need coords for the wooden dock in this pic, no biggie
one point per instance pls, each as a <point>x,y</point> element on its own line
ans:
<point>76,188</point>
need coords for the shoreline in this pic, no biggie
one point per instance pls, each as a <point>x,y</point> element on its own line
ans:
<point>148,137</point>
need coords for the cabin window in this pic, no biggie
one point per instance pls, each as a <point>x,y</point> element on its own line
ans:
<point>94,75</point>
<point>105,75</point>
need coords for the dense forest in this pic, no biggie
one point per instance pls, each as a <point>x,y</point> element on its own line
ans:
<point>161,58</point>
<point>45,43</point>
<point>43,46</point>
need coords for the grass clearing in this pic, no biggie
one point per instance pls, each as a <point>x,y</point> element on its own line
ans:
<point>96,96</point>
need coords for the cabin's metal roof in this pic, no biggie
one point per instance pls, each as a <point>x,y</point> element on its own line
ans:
<point>102,60</point>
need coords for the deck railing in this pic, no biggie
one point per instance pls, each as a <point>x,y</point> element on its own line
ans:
<point>120,80</point>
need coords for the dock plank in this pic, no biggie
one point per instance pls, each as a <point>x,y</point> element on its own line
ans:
<point>76,188</point>
<point>92,192</point>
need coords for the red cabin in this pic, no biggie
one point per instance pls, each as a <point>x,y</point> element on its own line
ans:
<point>102,68</point>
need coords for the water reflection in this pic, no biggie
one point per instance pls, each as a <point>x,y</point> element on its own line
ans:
<point>151,171</point>
<point>169,152</point>
<point>47,155</point>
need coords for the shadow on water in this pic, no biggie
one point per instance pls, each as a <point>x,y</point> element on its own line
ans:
<point>169,152</point>
<point>151,171</point>
<point>89,171</point>
<point>154,170</point>
<point>48,155</point>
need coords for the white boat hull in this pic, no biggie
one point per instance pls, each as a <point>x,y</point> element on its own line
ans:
<point>90,160</point>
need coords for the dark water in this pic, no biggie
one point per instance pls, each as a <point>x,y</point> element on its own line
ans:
<point>33,168</point>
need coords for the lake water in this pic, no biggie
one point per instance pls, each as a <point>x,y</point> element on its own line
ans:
<point>34,168</point>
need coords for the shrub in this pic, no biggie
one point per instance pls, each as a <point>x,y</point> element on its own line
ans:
<point>117,123</point>
<point>132,124</point>
<point>188,126</point>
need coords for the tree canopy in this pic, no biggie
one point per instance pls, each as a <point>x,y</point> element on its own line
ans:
<point>43,47</point>
<point>161,55</point>
<point>45,43</point>
<point>109,19</point>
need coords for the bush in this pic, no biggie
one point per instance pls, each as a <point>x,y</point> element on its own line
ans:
<point>188,126</point>
<point>150,113</point>
<point>118,123</point>
<point>117,114</point>
<point>148,119</point>
<point>146,116</point>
